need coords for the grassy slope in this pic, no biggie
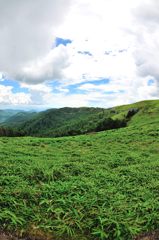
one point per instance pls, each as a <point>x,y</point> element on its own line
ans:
<point>148,112</point>
<point>99,186</point>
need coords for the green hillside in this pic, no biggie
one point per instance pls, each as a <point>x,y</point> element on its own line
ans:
<point>75,121</point>
<point>5,114</point>
<point>148,112</point>
<point>91,187</point>
<point>19,118</point>
<point>65,121</point>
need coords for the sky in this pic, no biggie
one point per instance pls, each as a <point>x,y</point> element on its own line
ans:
<point>57,53</point>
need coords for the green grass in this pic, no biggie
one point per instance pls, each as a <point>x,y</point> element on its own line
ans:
<point>97,186</point>
<point>148,112</point>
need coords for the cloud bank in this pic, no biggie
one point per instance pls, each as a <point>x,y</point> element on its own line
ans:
<point>61,50</point>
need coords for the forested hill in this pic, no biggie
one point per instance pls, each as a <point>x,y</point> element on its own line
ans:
<point>6,114</point>
<point>70,121</point>
<point>19,118</point>
<point>73,121</point>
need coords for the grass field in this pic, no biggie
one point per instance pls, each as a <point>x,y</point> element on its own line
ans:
<point>97,186</point>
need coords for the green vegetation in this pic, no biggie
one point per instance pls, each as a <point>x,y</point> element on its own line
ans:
<point>19,118</point>
<point>11,132</point>
<point>90,187</point>
<point>76,121</point>
<point>63,122</point>
<point>6,114</point>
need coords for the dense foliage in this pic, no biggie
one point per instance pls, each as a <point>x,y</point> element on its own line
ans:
<point>94,124</point>
<point>56,121</point>
<point>10,132</point>
<point>65,121</point>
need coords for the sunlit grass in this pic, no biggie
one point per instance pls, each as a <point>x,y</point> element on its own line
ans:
<point>99,186</point>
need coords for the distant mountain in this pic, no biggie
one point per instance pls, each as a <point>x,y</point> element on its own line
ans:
<point>19,118</point>
<point>73,121</point>
<point>5,114</point>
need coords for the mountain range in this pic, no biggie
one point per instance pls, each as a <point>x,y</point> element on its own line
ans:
<point>73,121</point>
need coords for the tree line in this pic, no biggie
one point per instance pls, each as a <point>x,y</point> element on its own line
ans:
<point>69,129</point>
<point>11,132</point>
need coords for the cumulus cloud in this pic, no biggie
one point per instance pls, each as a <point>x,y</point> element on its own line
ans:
<point>115,40</point>
<point>148,13</point>
<point>100,29</point>
<point>27,35</point>
<point>7,97</point>
<point>146,17</point>
<point>49,67</point>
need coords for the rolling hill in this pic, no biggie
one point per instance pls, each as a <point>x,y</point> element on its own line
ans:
<point>60,121</point>
<point>19,118</point>
<point>6,114</point>
<point>74,121</point>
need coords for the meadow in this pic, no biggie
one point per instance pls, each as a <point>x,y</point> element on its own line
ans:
<point>96,186</point>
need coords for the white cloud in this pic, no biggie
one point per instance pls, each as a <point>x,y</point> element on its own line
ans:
<point>7,97</point>
<point>27,34</point>
<point>146,16</point>
<point>121,38</point>
<point>47,68</point>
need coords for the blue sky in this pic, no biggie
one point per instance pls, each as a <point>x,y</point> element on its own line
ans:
<point>15,84</point>
<point>150,82</point>
<point>62,41</point>
<point>78,53</point>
